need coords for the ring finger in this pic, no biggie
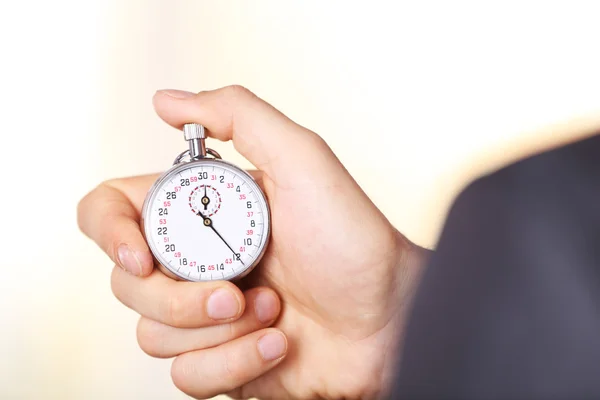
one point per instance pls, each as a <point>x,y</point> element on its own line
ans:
<point>164,341</point>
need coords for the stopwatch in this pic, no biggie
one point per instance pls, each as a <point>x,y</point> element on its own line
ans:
<point>205,219</point>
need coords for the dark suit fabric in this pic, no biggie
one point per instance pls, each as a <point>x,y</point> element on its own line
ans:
<point>509,305</point>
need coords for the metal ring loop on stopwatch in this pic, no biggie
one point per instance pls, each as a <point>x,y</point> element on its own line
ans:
<point>187,153</point>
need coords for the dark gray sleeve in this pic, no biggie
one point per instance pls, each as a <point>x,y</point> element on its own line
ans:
<point>509,306</point>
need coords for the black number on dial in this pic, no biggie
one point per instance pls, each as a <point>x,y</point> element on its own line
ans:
<point>169,248</point>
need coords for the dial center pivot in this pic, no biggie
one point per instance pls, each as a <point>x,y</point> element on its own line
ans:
<point>205,198</point>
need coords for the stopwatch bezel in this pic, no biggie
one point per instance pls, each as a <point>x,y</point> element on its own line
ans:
<point>186,165</point>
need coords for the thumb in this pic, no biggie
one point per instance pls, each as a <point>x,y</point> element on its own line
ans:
<point>273,143</point>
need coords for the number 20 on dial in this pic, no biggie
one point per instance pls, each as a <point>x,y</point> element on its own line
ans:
<point>205,219</point>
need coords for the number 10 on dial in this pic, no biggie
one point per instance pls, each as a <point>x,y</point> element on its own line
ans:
<point>205,219</point>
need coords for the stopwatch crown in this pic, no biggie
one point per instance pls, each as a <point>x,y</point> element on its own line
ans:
<point>193,131</point>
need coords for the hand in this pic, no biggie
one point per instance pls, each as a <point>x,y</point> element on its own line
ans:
<point>343,273</point>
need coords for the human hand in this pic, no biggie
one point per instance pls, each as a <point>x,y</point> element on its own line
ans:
<point>176,316</point>
<point>343,273</point>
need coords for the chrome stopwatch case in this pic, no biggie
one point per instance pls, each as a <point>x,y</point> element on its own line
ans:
<point>205,219</point>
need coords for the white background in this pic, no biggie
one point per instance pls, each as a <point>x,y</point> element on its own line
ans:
<point>416,98</point>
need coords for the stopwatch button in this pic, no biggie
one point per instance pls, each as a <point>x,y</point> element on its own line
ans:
<point>193,131</point>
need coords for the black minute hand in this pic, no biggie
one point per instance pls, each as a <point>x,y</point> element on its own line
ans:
<point>208,222</point>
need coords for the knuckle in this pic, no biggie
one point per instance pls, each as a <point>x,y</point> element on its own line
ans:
<point>114,283</point>
<point>184,372</point>
<point>176,310</point>
<point>317,142</point>
<point>85,207</point>
<point>232,373</point>
<point>238,92</point>
<point>231,331</point>
<point>82,212</point>
<point>150,337</point>
<point>113,184</point>
<point>180,373</point>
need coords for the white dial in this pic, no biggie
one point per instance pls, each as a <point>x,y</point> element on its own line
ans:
<point>206,220</point>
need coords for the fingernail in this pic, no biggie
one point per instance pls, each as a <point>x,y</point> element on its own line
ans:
<point>265,307</point>
<point>129,260</point>
<point>223,304</point>
<point>272,346</point>
<point>178,94</point>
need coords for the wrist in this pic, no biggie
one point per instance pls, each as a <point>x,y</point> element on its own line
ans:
<point>411,262</point>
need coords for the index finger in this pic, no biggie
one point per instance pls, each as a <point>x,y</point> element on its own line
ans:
<point>110,216</point>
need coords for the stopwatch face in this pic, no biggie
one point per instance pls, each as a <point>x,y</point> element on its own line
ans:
<point>206,220</point>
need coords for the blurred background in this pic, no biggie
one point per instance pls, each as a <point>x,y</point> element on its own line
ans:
<point>416,98</point>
